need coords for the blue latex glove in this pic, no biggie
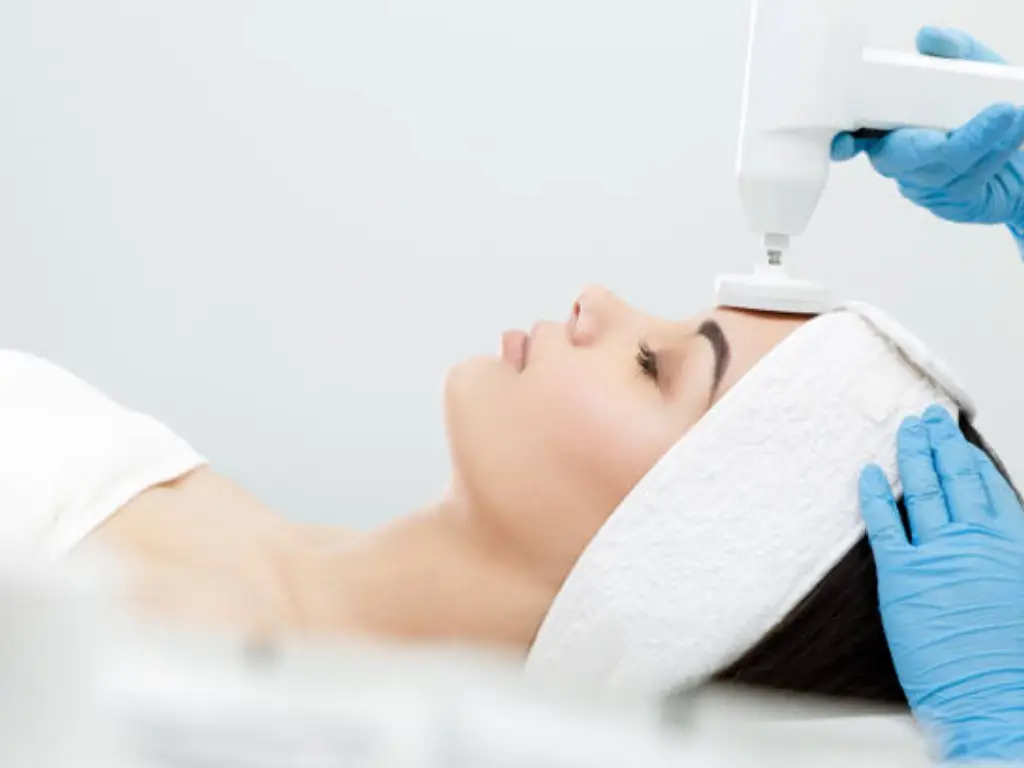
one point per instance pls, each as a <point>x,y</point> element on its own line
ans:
<point>972,175</point>
<point>952,598</point>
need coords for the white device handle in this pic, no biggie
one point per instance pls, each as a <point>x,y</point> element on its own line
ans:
<point>899,89</point>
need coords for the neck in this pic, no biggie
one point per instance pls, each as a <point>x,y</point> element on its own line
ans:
<point>434,575</point>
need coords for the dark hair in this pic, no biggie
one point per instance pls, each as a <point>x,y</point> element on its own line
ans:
<point>832,644</point>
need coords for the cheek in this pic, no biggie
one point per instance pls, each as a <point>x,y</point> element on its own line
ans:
<point>604,428</point>
<point>549,453</point>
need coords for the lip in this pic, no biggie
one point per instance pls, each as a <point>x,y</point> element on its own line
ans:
<point>515,348</point>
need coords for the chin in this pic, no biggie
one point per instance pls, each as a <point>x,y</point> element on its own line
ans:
<point>473,389</point>
<point>474,378</point>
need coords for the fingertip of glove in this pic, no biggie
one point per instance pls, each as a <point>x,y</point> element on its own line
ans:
<point>954,44</point>
<point>1002,110</point>
<point>873,482</point>
<point>944,43</point>
<point>1018,117</point>
<point>912,426</point>
<point>844,147</point>
<point>937,415</point>
<point>994,123</point>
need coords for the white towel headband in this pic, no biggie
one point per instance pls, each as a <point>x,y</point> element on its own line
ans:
<point>746,514</point>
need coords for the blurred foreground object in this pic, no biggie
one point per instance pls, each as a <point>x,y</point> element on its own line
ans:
<point>84,686</point>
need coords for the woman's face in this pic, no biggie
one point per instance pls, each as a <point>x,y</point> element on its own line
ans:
<point>549,437</point>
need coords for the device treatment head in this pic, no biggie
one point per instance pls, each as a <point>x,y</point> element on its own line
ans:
<point>770,289</point>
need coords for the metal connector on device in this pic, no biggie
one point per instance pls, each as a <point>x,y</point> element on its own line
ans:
<point>776,246</point>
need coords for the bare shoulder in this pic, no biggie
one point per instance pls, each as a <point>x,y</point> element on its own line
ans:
<point>201,548</point>
<point>168,515</point>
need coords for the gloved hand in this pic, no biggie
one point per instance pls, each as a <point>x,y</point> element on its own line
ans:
<point>972,175</point>
<point>952,598</point>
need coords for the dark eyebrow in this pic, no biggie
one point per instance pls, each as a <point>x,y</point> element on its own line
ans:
<point>712,331</point>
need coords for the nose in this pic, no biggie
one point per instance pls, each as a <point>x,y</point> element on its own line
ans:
<point>592,314</point>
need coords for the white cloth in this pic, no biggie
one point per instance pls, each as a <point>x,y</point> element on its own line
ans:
<point>70,457</point>
<point>746,514</point>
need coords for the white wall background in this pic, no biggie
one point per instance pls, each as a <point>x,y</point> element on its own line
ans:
<point>275,225</point>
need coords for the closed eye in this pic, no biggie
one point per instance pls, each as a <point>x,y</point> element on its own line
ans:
<point>648,362</point>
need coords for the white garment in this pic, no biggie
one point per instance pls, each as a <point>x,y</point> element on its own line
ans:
<point>746,514</point>
<point>70,457</point>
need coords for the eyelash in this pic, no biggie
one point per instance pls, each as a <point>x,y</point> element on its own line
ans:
<point>648,362</point>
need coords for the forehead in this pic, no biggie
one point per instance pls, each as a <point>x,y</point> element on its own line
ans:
<point>751,336</point>
<point>666,332</point>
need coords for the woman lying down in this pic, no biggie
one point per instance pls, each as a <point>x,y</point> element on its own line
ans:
<point>636,504</point>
